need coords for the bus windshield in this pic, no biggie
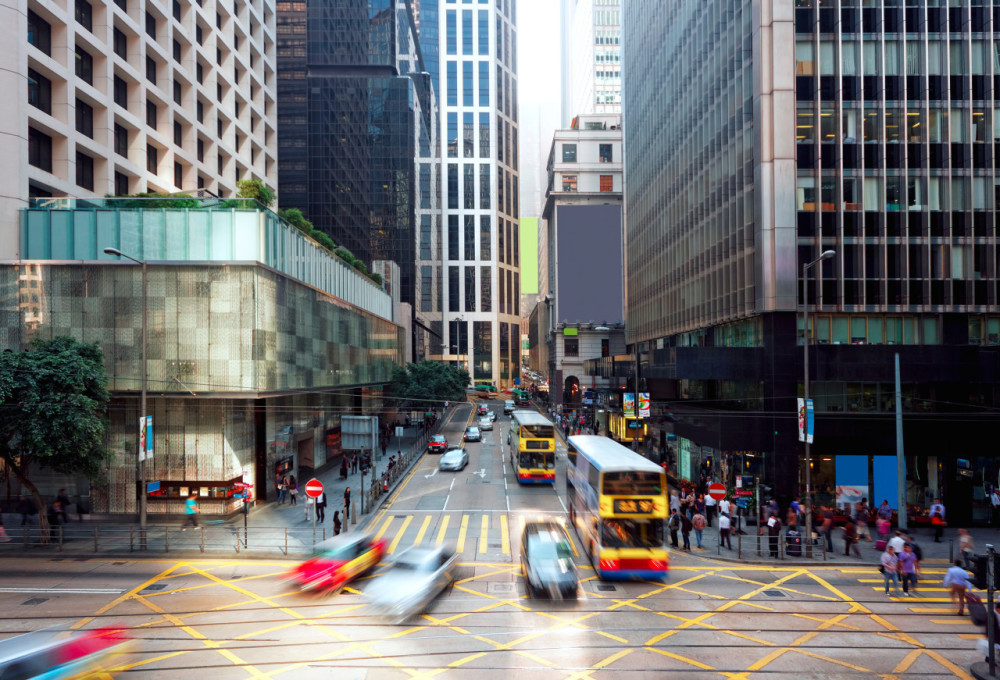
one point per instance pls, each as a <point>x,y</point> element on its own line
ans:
<point>632,483</point>
<point>626,533</point>
<point>537,460</point>
<point>537,431</point>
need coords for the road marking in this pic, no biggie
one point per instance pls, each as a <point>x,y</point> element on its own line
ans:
<point>122,598</point>
<point>932,610</point>
<point>484,533</point>
<point>443,529</point>
<point>952,622</point>
<point>399,534</point>
<point>433,472</point>
<point>423,530</point>
<point>461,533</point>
<point>66,591</point>
<point>504,536</point>
<point>385,527</point>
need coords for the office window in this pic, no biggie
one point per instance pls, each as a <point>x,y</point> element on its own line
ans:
<point>571,346</point>
<point>201,150</point>
<point>218,20</point>
<point>39,150</point>
<point>453,186</point>
<point>152,158</point>
<point>452,86</point>
<point>120,44</point>
<point>84,118</point>
<point>499,138</point>
<point>150,25</point>
<point>178,175</point>
<point>604,151</point>
<point>453,249</point>
<point>121,92</point>
<point>177,92</point>
<point>454,301</point>
<point>569,182</point>
<point>605,347</point>
<point>484,186</point>
<point>39,33</point>
<point>468,86</point>
<point>426,288</point>
<point>199,35</point>
<point>220,163</point>
<point>469,185</point>
<point>123,4</point>
<point>121,184</point>
<point>200,112</point>
<point>84,171</point>
<point>150,69</point>
<point>218,125</point>
<point>607,183</point>
<point>484,83</point>
<point>484,32</point>
<point>178,133</point>
<point>177,10</point>
<point>39,91</point>
<point>467,36</point>
<point>84,66</point>
<point>484,135</point>
<point>121,140</point>
<point>485,289</point>
<point>84,14</point>
<point>218,92</point>
<point>485,238</point>
<point>470,289</point>
<point>470,237</point>
<point>151,114</point>
<point>199,73</point>
<point>569,153</point>
<point>177,51</point>
<point>451,32</point>
<point>468,135</point>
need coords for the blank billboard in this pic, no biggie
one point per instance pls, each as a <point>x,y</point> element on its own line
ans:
<point>589,277</point>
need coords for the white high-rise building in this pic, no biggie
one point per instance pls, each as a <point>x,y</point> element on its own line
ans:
<point>591,58</point>
<point>133,96</point>
<point>471,52</point>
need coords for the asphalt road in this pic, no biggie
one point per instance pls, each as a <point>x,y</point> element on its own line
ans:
<point>711,619</point>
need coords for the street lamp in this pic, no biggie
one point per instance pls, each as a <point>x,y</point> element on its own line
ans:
<point>826,255</point>
<point>459,322</point>
<point>139,467</point>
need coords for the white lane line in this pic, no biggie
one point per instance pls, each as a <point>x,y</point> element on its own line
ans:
<point>66,591</point>
<point>561,503</point>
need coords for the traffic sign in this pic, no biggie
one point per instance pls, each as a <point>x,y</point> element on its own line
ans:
<point>314,488</point>
<point>717,491</point>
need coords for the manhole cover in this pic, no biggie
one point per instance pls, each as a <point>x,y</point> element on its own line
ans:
<point>35,600</point>
<point>775,593</point>
<point>606,589</point>
<point>495,545</point>
<point>501,588</point>
<point>154,587</point>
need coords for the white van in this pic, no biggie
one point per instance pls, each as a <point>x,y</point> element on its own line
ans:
<point>508,407</point>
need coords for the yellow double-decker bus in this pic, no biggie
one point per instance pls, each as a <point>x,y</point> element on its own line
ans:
<point>625,428</point>
<point>532,440</point>
<point>617,501</point>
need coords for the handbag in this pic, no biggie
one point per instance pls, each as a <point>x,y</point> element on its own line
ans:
<point>881,568</point>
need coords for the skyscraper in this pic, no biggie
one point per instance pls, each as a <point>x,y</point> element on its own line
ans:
<point>474,260</point>
<point>591,61</point>
<point>754,142</point>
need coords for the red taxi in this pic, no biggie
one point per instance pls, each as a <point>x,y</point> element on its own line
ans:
<point>337,561</point>
<point>437,444</point>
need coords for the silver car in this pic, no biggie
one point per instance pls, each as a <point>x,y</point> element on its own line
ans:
<point>486,424</point>
<point>454,459</point>
<point>412,580</point>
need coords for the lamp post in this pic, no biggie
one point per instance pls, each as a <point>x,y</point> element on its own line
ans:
<point>139,467</point>
<point>826,255</point>
<point>459,322</point>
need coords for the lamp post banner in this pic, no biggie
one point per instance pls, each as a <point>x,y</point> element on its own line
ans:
<point>142,438</point>
<point>802,420</point>
<point>145,438</point>
<point>810,414</point>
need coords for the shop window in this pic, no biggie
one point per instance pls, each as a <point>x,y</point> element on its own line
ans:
<point>607,183</point>
<point>569,183</point>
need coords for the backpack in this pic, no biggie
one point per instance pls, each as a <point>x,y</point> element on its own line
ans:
<point>916,551</point>
<point>698,521</point>
<point>675,522</point>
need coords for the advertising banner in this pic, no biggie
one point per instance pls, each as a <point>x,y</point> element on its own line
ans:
<point>628,403</point>
<point>809,420</point>
<point>146,438</point>
<point>802,419</point>
<point>644,404</point>
<point>852,480</point>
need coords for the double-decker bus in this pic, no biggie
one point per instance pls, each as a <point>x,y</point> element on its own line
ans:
<point>532,442</point>
<point>618,503</point>
<point>625,428</point>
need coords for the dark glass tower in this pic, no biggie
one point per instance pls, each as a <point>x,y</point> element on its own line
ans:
<point>355,113</point>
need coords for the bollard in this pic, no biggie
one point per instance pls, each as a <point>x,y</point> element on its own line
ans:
<point>739,546</point>
<point>95,539</point>
<point>202,532</point>
<point>131,538</point>
<point>354,513</point>
<point>991,624</point>
<point>823,541</point>
<point>60,538</point>
<point>166,539</point>
<point>758,541</point>
<point>951,551</point>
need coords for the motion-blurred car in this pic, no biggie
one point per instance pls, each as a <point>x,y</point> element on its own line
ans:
<point>411,582</point>
<point>547,560</point>
<point>483,410</point>
<point>437,444</point>
<point>337,561</point>
<point>472,434</point>
<point>454,459</point>
<point>492,415</point>
<point>508,406</point>
<point>50,654</point>
<point>485,424</point>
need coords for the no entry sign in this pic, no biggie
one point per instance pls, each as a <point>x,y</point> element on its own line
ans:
<point>716,491</point>
<point>314,488</point>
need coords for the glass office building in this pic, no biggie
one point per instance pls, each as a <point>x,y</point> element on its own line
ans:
<point>355,117</point>
<point>754,143</point>
<point>258,339</point>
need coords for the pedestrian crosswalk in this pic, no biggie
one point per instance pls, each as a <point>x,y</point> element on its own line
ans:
<point>474,534</point>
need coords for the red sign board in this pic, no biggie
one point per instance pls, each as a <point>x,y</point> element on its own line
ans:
<point>717,491</point>
<point>314,488</point>
<point>743,492</point>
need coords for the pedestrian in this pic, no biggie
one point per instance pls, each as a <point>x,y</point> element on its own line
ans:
<point>688,503</point>
<point>909,567</point>
<point>724,531</point>
<point>25,507</point>
<point>686,527</point>
<point>63,500</point>
<point>796,507</point>
<point>882,526</point>
<point>277,486</point>
<point>321,506</point>
<point>710,507</point>
<point>724,506</point>
<point>673,524</point>
<point>885,512</point>
<point>4,538</point>
<point>773,508</point>
<point>283,490</point>
<point>861,519</point>
<point>293,490</point>
<point>347,504</point>
<point>966,547</point>
<point>343,467</point>
<point>336,522</point>
<point>698,523</point>
<point>956,579</point>
<point>675,503</point>
<point>890,570</point>
<point>851,539</point>
<point>937,519</point>
<point>699,505</point>
<point>995,505</point>
<point>55,517</point>
<point>897,542</point>
<point>384,446</point>
<point>826,528</point>
<point>191,512</point>
<point>774,533</point>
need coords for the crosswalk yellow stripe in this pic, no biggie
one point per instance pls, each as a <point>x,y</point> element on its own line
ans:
<point>461,534</point>
<point>384,528</point>
<point>399,534</point>
<point>504,535</point>
<point>423,530</point>
<point>484,533</point>
<point>443,529</point>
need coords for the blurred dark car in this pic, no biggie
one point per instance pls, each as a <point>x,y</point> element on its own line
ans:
<point>547,560</point>
<point>454,459</point>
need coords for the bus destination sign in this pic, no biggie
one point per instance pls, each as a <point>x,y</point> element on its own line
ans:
<point>630,506</point>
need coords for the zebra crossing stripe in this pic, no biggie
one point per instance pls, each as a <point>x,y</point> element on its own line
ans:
<point>423,530</point>
<point>385,527</point>
<point>504,535</point>
<point>484,534</point>
<point>443,529</point>
<point>461,534</point>
<point>399,534</point>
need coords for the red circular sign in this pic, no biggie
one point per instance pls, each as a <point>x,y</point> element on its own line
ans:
<point>717,491</point>
<point>314,488</point>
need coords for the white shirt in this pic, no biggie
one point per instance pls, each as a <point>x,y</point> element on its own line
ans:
<point>724,506</point>
<point>995,499</point>
<point>724,523</point>
<point>897,543</point>
<point>675,503</point>
<point>709,501</point>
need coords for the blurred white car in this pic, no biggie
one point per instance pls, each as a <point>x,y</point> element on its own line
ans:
<point>454,459</point>
<point>411,581</point>
<point>485,424</point>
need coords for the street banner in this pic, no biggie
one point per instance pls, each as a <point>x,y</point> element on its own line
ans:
<point>809,420</point>
<point>644,404</point>
<point>628,403</point>
<point>146,438</point>
<point>802,420</point>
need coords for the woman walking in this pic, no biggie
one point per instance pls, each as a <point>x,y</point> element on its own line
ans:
<point>293,490</point>
<point>336,522</point>
<point>890,570</point>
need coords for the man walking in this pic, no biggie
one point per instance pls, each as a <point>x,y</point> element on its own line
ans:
<point>724,530</point>
<point>995,504</point>
<point>710,505</point>
<point>321,506</point>
<point>191,512</point>
<point>673,524</point>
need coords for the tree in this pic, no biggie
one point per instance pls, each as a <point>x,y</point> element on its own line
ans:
<point>295,218</point>
<point>53,412</point>
<point>428,382</point>
<point>255,189</point>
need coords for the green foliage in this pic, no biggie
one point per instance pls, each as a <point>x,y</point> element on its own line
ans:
<point>345,255</point>
<point>428,383</point>
<point>324,240</point>
<point>377,278</point>
<point>360,266</point>
<point>295,218</point>
<point>255,189</point>
<point>149,201</point>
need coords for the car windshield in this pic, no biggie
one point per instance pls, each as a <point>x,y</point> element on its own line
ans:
<point>342,551</point>
<point>549,545</point>
<point>437,438</point>
<point>472,430</point>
